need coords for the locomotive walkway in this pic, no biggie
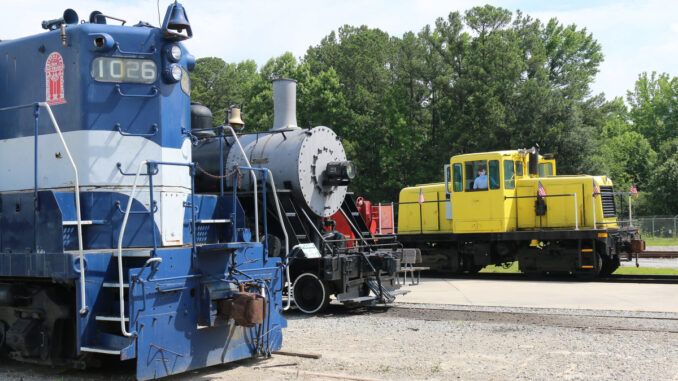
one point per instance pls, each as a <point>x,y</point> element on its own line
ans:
<point>595,295</point>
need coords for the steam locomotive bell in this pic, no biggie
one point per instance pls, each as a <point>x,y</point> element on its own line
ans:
<point>310,162</point>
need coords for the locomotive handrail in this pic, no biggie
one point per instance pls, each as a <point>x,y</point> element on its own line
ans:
<point>116,46</point>
<point>119,166</point>
<point>155,209</point>
<point>154,92</point>
<point>154,131</point>
<point>263,194</point>
<point>254,180</point>
<point>120,237</point>
<point>284,230</point>
<point>83,308</point>
<point>36,113</point>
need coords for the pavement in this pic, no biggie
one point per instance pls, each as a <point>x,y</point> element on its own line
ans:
<point>647,297</point>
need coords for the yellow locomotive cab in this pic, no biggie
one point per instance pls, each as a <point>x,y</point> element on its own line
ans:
<point>505,201</point>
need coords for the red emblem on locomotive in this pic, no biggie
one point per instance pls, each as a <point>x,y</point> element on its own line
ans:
<point>54,79</point>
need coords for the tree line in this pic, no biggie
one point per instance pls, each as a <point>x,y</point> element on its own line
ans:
<point>483,80</point>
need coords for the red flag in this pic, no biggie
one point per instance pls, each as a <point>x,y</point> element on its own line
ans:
<point>634,190</point>
<point>421,196</point>
<point>541,192</point>
<point>596,190</point>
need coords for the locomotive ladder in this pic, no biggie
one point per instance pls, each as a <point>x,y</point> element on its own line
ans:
<point>351,212</point>
<point>292,218</point>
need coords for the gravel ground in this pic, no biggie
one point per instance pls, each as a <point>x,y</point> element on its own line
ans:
<point>442,342</point>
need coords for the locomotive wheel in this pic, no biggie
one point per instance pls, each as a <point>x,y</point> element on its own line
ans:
<point>310,294</point>
<point>609,265</point>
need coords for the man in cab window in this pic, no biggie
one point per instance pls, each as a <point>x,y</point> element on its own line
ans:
<point>481,181</point>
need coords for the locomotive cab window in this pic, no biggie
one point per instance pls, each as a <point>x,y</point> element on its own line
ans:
<point>129,70</point>
<point>509,177</point>
<point>479,175</point>
<point>545,169</point>
<point>494,174</point>
<point>458,178</point>
<point>519,168</point>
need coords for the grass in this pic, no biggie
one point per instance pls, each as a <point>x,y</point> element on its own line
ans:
<point>622,270</point>
<point>659,241</point>
<point>500,269</point>
<point>646,271</point>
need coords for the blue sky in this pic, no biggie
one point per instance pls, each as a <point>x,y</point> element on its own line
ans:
<point>635,36</point>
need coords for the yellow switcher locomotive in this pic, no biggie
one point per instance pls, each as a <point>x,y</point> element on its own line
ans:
<point>499,207</point>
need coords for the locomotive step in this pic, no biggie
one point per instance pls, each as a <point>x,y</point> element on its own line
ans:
<point>84,222</point>
<point>101,350</point>
<point>109,318</point>
<point>361,299</point>
<point>217,221</point>
<point>114,285</point>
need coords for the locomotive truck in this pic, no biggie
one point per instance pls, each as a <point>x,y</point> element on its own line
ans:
<point>106,247</point>
<point>549,223</point>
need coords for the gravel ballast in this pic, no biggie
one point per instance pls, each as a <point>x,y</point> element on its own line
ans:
<point>442,342</point>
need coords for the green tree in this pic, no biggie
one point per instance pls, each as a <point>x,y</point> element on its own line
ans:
<point>218,84</point>
<point>654,107</point>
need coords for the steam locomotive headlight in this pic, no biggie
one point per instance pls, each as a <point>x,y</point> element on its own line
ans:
<point>174,53</point>
<point>350,170</point>
<point>173,73</point>
<point>339,173</point>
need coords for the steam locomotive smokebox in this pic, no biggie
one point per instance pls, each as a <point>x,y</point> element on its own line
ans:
<point>310,162</point>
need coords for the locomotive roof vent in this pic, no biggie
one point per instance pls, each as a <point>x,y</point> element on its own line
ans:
<point>284,104</point>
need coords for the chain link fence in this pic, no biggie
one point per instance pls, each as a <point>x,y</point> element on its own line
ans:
<point>658,226</point>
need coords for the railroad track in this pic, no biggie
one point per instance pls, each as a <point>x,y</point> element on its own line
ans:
<point>614,278</point>
<point>627,278</point>
<point>658,254</point>
<point>588,320</point>
<point>546,317</point>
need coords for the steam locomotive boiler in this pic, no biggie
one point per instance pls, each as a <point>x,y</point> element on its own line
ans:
<point>106,248</point>
<point>311,175</point>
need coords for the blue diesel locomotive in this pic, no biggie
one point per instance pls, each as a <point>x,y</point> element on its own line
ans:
<point>106,249</point>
